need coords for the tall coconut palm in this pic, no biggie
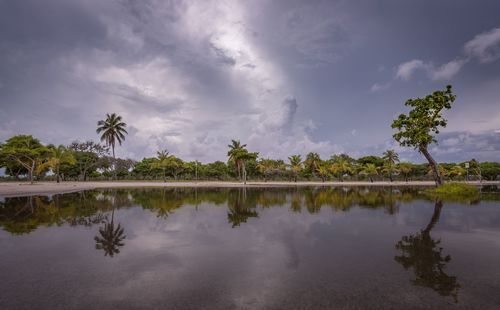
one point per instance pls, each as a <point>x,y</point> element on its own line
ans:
<point>112,130</point>
<point>244,156</point>
<point>236,148</point>
<point>312,162</point>
<point>57,155</point>
<point>391,158</point>
<point>161,162</point>
<point>295,165</point>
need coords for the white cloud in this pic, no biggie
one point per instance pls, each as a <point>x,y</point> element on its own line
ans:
<point>406,69</point>
<point>443,72</point>
<point>380,87</point>
<point>446,71</point>
<point>485,46</point>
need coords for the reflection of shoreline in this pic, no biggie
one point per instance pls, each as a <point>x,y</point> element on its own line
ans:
<point>13,189</point>
<point>21,215</point>
<point>423,254</point>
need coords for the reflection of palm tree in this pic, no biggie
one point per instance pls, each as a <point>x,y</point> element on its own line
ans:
<point>111,238</point>
<point>238,211</point>
<point>424,255</point>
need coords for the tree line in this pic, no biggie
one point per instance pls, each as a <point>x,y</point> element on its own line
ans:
<point>24,156</point>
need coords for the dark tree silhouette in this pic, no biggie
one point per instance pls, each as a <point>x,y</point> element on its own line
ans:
<point>424,255</point>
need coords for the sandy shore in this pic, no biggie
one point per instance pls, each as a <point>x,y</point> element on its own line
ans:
<point>12,189</point>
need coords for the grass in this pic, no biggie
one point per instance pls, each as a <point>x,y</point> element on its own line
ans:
<point>459,192</point>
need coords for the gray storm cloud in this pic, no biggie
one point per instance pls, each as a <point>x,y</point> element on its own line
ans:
<point>191,75</point>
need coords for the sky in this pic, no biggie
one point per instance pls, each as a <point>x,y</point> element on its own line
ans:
<point>284,77</point>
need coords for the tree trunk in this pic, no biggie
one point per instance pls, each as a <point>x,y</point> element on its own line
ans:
<point>437,176</point>
<point>30,172</point>
<point>244,172</point>
<point>114,161</point>
<point>57,175</point>
<point>435,216</point>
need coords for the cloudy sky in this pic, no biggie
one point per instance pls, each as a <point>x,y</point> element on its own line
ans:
<point>284,77</point>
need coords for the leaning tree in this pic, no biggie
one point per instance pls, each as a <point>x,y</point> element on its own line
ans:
<point>418,128</point>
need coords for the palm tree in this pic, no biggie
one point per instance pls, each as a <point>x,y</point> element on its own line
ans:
<point>391,158</point>
<point>57,155</point>
<point>340,167</point>
<point>295,165</point>
<point>312,162</point>
<point>161,162</point>
<point>240,155</point>
<point>236,148</point>
<point>370,170</point>
<point>322,171</point>
<point>405,168</point>
<point>112,130</point>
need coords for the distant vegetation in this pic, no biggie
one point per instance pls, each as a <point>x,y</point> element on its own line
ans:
<point>25,157</point>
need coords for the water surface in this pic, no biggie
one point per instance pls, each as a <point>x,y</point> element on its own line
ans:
<point>253,248</point>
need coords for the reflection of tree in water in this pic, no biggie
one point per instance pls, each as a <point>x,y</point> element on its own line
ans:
<point>110,239</point>
<point>424,255</point>
<point>240,208</point>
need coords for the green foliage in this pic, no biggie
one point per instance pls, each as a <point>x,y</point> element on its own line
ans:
<point>24,151</point>
<point>375,160</point>
<point>461,189</point>
<point>418,128</point>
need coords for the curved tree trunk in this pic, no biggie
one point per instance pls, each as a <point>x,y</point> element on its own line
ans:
<point>437,176</point>
<point>435,216</point>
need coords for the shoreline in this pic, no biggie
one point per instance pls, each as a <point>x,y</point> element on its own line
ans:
<point>18,189</point>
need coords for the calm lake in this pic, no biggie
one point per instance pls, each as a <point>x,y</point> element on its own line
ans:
<point>250,248</point>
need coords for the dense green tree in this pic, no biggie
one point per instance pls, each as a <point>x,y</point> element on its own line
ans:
<point>218,170</point>
<point>418,128</point>
<point>88,156</point>
<point>25,151</point>
<point>375,160</point>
